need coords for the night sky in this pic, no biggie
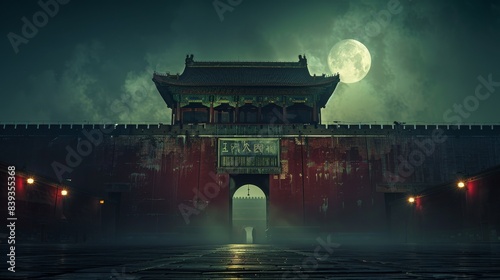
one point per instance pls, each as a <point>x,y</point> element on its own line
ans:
<point>93,62</point>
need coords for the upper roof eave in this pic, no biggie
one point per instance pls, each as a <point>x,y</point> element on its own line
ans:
<point>166,80</point>
<point>244,74</point>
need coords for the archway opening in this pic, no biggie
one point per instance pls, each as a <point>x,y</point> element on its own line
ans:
<point>249,212</point>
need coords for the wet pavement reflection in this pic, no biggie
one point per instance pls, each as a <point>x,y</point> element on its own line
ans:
<point>262,261</point>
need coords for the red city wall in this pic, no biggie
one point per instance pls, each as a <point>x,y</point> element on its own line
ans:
<point>152,181</point>
<point>448,213</point>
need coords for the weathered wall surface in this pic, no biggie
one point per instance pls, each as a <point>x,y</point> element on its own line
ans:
<point>448,213</point>
<point>160,178</point>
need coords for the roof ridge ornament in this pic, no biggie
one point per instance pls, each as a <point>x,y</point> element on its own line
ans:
<point>189,59</point>
<point>303,60</point>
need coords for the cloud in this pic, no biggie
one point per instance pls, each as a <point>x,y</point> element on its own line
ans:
<point>424,60</point>
<point>420,67</point>
<point>84,91</point>
<point>141,101</point>
<point>74,93</point>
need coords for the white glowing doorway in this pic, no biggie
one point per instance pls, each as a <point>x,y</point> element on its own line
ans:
<point>249,211</point>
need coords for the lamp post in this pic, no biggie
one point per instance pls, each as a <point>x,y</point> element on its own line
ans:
<point>462,185</point>
<point>55,200</point>
<point>64,192</point>
<point>101,228</point>
<point>411,202</point>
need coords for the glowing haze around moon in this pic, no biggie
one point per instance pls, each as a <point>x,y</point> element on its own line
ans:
<point>351,59</point>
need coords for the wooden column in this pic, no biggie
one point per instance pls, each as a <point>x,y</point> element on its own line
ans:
<point>315,112</point>
<point>211,112</point>
<point>285,120</point>
<point>319,115</point>
<point>236,113</point>
<point>178,113</point>
<point>181,117</point>
<point>259,113</point>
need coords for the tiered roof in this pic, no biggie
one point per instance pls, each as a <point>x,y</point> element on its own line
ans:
<point>201,78</point>
<point>283,74</point>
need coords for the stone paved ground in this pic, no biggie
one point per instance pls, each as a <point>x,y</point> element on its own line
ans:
<point>241,261</point>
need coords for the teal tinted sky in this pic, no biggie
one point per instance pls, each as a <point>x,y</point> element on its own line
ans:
<point>93,61</point>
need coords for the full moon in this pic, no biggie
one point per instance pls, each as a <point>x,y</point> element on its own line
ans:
<point>351,59</point>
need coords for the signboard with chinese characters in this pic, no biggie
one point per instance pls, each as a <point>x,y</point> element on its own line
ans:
<point>249,155</point>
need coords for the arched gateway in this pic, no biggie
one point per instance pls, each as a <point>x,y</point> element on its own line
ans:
<point>256,97</point>
<point>240,123</point>
<point>249,214</point>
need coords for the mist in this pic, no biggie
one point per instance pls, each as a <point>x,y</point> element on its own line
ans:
<point>426,55</point>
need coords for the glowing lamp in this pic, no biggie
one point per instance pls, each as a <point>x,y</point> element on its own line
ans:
<point>30,181</point>
<point>101,201</point>
<point>461,184</point>
<point>411,199</point>
<point>64,192</point>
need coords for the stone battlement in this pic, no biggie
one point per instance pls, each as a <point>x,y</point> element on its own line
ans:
<point>254,130</point>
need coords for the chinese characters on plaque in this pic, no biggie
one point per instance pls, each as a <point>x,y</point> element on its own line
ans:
<point>249,155</point>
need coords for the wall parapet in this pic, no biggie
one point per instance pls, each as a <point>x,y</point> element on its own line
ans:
<point>256,130</point>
